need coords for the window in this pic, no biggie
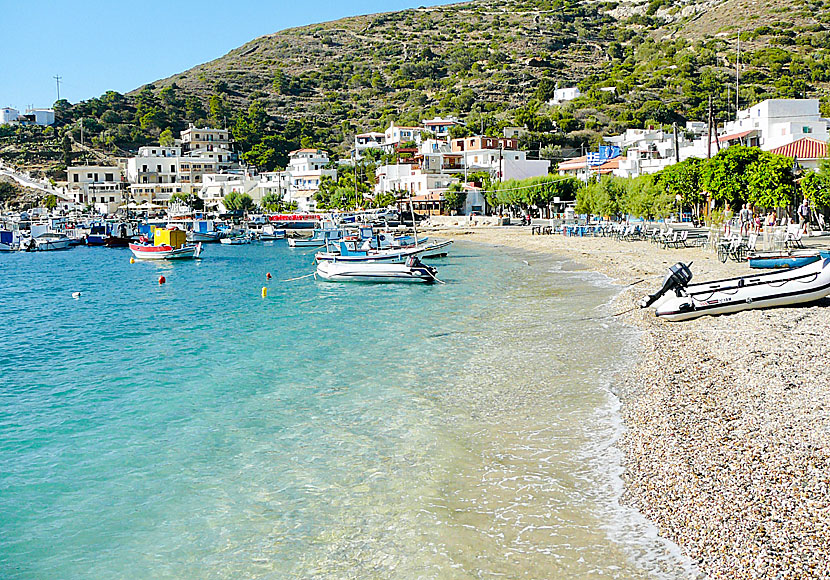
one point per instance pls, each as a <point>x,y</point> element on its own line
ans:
<point>89,176</point>
<point>158,168</point>
<point>75,178</point>
<point>108,177</point>
<point>806,129</point>
<point>220,159</point>
<point>112,199</point>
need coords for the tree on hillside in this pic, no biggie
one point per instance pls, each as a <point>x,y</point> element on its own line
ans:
<point>166,138</point>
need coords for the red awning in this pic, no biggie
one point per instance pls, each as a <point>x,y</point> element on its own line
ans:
<point>804,148</point>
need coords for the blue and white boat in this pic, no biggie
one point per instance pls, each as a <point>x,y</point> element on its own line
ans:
<point>320,237</point>
<point>8,242</point>
<point>203,232</point>
<point>354,251</point>
<point>785,259</point>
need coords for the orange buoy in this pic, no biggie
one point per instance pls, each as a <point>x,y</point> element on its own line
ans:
<point>268,276</point>
<point>162,279</point>
<point>132,260</point>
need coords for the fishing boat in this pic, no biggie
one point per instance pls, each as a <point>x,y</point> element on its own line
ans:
<point>785,259</point>
<point>349,251</point>
<point>168,244</point>
<point>320,237</point>
<point>51,241</point>
<point>203,232</point>
<point>8,243</point>
<point>778,288</point>
<point>413,270</point>
<point>98,234</point>
<point>269,233</point>
<point>236,240</point>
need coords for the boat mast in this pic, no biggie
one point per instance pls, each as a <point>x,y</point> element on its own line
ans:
<point>412,212</point>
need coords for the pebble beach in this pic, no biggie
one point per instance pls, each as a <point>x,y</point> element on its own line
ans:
<point>727,439</point>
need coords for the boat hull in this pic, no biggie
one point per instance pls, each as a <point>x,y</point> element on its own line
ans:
<point>374,273</point>
<point>389,255</point>
<point>48,245</point>
<point>165,252</point>
<point>783,260</point>
<point>204,237</point>
<point>784,288</point>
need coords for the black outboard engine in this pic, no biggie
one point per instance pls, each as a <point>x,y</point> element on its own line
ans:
<point>679,277</point>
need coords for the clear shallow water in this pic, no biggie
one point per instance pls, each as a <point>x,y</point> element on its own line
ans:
<point>196,430</point>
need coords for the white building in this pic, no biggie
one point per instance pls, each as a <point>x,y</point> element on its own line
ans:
<point>155,174</point>
<point>43,117</point>
<point>412,178</point>
<point>96,185</point>
<point>298,183</point>
<point>563,95</point>
<point>498,156</point>
<point>776,122</point>
<point>370,140</point>
<point>7,115</point>
<point>439,127</point>
<point>395,137</point>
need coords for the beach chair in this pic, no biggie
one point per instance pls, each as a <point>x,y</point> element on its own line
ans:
<point>794,235</point>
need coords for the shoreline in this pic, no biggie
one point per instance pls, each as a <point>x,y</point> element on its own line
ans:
<point>726,446</point>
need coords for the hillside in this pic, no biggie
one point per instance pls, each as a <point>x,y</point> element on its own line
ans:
<point>490,63</point>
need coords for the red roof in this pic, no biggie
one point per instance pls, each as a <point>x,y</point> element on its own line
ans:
<point>734,136</point>
<point>608,166</point>
<point>804,148</point>
<point>575,163</point>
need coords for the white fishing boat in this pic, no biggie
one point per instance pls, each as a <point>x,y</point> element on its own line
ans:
<point>51,241</point>
<point>203,232</point>
<point>269,233</point>
<point>410,271</point>
<point>236,240</point>
<point>780,288</point>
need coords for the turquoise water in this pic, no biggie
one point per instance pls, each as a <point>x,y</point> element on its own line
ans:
<point>197,430</point>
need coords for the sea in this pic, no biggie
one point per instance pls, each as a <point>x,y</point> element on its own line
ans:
<point>198,430</point>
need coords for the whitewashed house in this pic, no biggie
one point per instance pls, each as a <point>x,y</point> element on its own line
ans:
<point>776,122</point>
<point>564,95</point>
<point>97,185</point>
<point>395,137</point>
<point>7,115</point>
<point>498,156</point>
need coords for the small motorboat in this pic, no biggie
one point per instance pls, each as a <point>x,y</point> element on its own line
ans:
<point>778,288</point>
<point>270,234</point>
<point>348,251</point>
<point>51,241</point>
<point>236,240</point>
<point>413,270</point>
<point>785,259</point>
<point>168,245</point>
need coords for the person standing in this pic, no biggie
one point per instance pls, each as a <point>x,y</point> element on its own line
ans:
<point>804,215</point>
<point>744,216</point>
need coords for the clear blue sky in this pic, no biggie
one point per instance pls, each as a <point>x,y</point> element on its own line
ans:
<point>101,45</point>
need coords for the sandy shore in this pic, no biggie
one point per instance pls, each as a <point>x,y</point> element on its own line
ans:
<point>728,418</point>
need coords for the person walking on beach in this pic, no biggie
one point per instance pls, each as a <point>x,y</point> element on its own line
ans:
<point>769,225</point>
<point>744,216</point>
<point>804,215</point>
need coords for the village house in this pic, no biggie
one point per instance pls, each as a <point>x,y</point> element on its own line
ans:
<point>100,186</point>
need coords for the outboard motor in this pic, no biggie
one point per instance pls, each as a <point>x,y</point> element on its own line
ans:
<point>679,277</point>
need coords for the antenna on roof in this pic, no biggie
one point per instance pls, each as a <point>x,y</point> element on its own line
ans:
<point>58,85</point>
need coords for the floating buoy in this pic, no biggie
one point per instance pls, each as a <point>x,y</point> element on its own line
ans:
<point>162,279</point>
<point>132,260</point>
<point>268,276</point>
<point>76,295</point>
<point>264,292</point>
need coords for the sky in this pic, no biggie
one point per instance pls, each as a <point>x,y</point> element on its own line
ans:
<point>97,45</point>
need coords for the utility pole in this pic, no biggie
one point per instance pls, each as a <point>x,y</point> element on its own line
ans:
<point>738,78</point>
<point>676,144</point>
<point>58,85</point>
<point>709,130</point>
